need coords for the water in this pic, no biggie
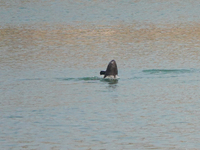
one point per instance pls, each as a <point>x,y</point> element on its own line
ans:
<point>98,12</point>
<point>148,109</point>
<point>51,93</point>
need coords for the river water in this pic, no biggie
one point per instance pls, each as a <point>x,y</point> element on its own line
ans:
<point>51,93</point>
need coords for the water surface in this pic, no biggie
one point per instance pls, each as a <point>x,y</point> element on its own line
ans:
<point>51,93</point>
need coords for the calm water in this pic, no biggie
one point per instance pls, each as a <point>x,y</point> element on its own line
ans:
<point>51,93</point>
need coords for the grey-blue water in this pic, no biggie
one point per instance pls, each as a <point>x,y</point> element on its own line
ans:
<point>51,93</point>
<point>144,109</point>
<point>97,11</point>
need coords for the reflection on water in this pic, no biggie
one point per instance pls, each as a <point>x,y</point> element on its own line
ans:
<point>92,46</point>
<point>110,81</point>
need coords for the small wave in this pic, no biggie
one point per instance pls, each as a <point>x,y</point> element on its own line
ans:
<point>89,79</point>
<point>166,71</point>
<point>29,79</point>
<point>15,116</point>
<point>77,79</point>
<point>65,79</point>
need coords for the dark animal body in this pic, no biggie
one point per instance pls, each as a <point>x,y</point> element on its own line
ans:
<point>111,71</point>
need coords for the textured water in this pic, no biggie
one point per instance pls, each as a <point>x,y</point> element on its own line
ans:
<point>51,93</point>
<point>98,11</point>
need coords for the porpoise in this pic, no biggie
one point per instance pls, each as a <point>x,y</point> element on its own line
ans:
<point>111,71</point>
